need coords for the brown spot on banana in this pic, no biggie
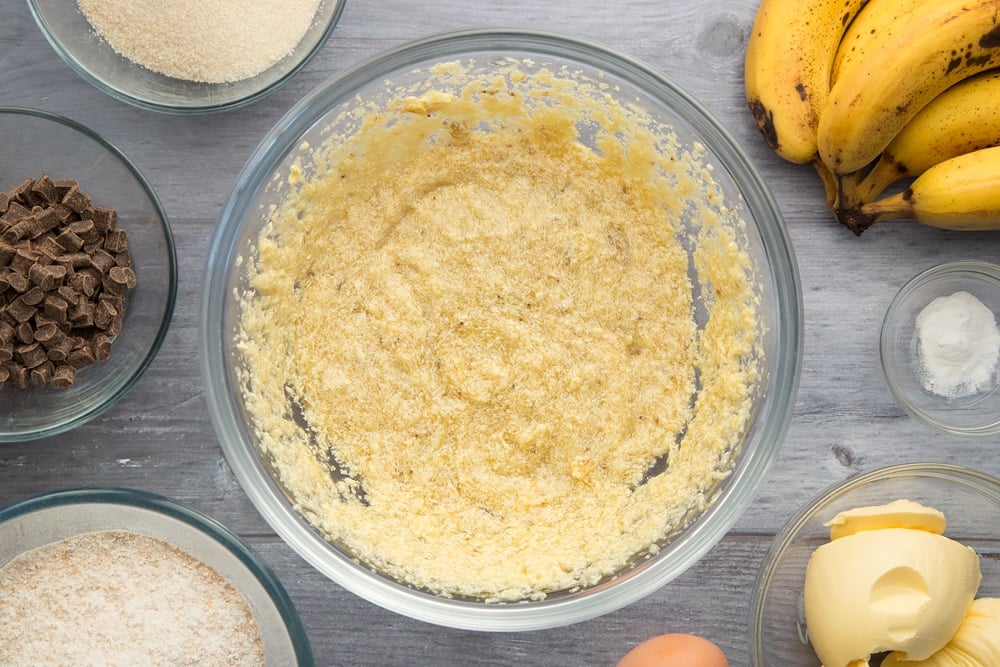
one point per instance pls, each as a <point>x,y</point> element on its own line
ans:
<point>979,62</point>
<point>990,40</point>
<point>764,118</point>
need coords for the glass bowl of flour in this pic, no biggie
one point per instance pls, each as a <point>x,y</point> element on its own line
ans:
<point>940,348</point>
<point>121,576</point>
<point>190,56</point>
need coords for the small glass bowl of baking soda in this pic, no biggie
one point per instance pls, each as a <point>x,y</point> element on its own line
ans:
<point>940,348</point>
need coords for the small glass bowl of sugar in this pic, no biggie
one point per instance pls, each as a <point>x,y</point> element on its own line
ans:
<point>941,348</point>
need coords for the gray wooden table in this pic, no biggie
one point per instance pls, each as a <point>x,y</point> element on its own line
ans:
<point>159,437</point>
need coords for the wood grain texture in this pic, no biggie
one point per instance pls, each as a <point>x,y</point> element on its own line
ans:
<point>159,437</point>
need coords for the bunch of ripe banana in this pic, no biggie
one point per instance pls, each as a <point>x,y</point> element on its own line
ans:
<point>872,92</point>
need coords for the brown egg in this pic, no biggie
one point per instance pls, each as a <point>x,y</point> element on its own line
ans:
<point>675,650</point>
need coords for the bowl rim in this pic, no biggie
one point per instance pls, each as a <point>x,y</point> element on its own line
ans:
<point>977,480</point>
<point>174,509</point>
<point>168,311</point>
<point>699,537</point>
<point>987,272</point>
<point>135,100</point>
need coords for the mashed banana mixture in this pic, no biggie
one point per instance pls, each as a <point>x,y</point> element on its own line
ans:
<point>470,342</point>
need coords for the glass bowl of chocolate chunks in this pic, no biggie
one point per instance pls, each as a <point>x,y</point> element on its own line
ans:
<point>88,274</point>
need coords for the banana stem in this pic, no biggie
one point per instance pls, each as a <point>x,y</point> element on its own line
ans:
<point>841,189</point>
<point>830,185</point>
<point>885,172</point>
<point>847,190</point>
<point>862,216</point>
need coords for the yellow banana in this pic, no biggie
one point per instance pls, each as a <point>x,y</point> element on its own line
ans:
<point>964,118</point>
<point>919,56</point>
<point>962,193</point>
<point>789,54</point>
<point>867,28</point>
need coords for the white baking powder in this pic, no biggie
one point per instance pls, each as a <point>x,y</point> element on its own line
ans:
<point>958,344</point>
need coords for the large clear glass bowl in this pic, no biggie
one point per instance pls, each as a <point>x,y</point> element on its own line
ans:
<point>969,499</point>
<point>259,186</point>
<point>34,143</point>
<point>90,56</point>
<point>40,520</point>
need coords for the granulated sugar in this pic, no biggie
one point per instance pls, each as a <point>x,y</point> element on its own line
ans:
<point>121,598</point>
<point>211,41</point>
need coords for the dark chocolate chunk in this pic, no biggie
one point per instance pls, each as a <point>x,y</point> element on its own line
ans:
<point>24,333</point>
<point>33,296</point>
<point>116,241</point>
<point>64,267</point>
<point>7,252</point>
<point>82,315</point>
<point>6,334</point>
<point>104,313</point>
<point>46,245</point>
<point>123,277</point>
<point>18,282</point>
<point>85,282</point>
<point>19,310</point>
<point>103,261</point>
<point>102,347</point>
<point>16,212</point>
<point>76,199</point>
<point>86,230</point>
<point>47,334</point>
<point>81,357</point>
<point>31,355</point>
<point>19,375</point>
<point>69,240</point>
<point>55,308</point>
<point>43,221</point>
<point>105,219</point>
<point>60,348</point>
<point>48,277</point>
<point>71,296</point>
<point>45,189</point>
<point>23,259</point>
<point>63,377</point>
<point>42,374</point>
<point>74,260</point>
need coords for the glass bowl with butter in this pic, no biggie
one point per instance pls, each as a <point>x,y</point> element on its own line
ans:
<point>901,559</point>
<point>500,330</point>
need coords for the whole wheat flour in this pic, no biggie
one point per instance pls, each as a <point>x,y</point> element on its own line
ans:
<point>121,598</point>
